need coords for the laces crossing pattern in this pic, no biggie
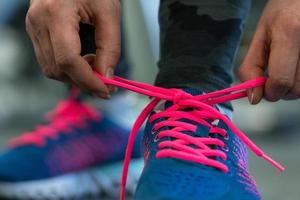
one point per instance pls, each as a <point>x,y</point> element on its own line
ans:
<point>201,110</point>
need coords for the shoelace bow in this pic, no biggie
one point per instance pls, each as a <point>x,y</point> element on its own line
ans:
<point>68,113</point>
<point>203,106</point>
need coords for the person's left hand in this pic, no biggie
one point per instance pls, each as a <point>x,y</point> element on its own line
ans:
<point>275,48</point>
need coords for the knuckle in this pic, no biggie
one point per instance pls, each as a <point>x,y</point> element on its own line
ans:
<point>115,53</point>
<point>288,22</point>
<point>283,83</point>
<point>30,18</point>
<point>51,6</point>
<point>58,74</point>
<point>112,50</point>
<point>240,72</point>
<point>117,10</point>
<point>292,26</point>
<point>64,62</point>
<point>114,8</point>
<point>296,89</point>
<point>243,71</point>
<point>47,72</point>
<point>296,93</point>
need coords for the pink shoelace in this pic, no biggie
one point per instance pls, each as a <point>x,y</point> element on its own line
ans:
<point>202,112</point>
<point>68,113</point>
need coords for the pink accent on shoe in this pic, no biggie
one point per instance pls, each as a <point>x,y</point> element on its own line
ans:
<point>202,111</point>
<point>69,112</point>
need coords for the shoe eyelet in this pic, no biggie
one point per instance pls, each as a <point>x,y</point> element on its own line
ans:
<point>156,138</point>
<point>153,131</point>
<point>226,137</point>
<point>225,148</point>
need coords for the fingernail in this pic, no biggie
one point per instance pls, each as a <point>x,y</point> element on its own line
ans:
<point>109,73</point>
<point>115,89</point>
<point>108,96</point>
<point>112,89</point>
<point>103,96</point>
<point>252,97</point>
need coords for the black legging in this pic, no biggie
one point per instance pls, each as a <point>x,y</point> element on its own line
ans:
<point>198,41</point>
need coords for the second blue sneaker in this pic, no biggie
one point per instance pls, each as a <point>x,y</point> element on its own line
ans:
<point>78,153</point>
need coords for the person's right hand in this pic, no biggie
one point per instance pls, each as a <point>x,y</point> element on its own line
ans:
<point>53,26</point>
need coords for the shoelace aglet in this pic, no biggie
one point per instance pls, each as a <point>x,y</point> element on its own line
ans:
<point>273,162</point>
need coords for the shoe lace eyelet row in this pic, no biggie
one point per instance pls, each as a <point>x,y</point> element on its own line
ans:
<point>201,102</point>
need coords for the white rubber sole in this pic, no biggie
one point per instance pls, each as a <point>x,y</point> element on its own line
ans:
<point>102,182</point>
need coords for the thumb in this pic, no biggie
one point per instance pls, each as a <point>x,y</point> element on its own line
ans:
<point>254,65</point>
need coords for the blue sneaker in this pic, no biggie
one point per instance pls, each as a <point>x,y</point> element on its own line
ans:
<point>192,150</point>
<point>191,156</point>
<point>77,154</point>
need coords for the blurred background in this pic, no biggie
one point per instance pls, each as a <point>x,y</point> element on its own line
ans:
<point>25,95</point>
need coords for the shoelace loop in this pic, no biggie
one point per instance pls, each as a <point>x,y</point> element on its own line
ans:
<point>202,102</point>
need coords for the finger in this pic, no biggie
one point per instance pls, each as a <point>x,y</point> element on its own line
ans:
<point>37,31</point>
<point>107,39</point>
<point>43,38</point>
<point>44,53</point>
<point>38,52</point>
<point>50,68</point>
<point>66,45</point>
<point>255,63</point>
<point>90,58</point>
<point>36,46</point>
<point>282,68</point>
<point>294,93</point>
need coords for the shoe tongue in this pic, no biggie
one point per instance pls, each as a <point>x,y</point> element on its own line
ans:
<point>202,131</point>
<point>192,91</point>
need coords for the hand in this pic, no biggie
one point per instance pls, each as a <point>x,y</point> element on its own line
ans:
<point>53,27</point>
<point>275,49</point>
